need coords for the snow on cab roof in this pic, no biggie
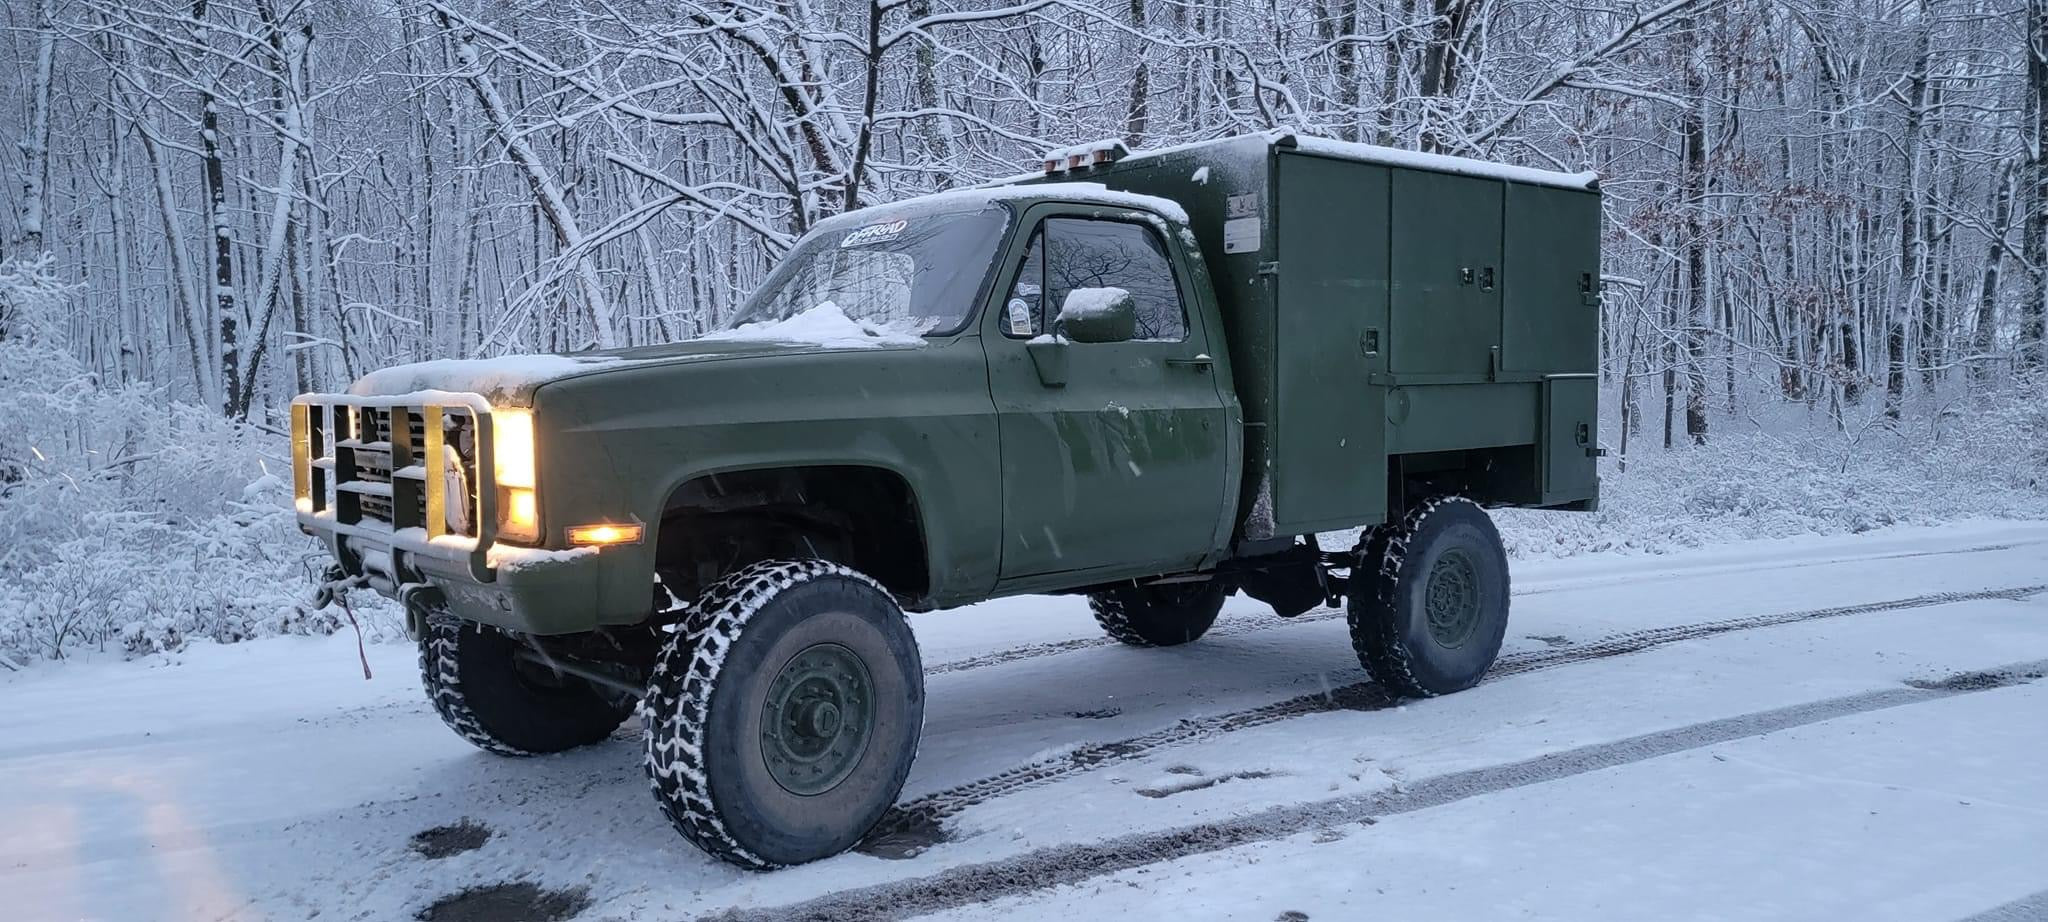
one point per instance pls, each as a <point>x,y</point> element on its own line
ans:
<point>1093,193</point>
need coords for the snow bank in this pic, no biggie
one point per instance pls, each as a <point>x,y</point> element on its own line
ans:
<point>128,527</point>
<point>824,325</point>
<point>1791,474</point>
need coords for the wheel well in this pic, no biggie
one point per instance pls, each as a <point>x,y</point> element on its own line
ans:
<point>1488,476</point>
<point>863,517</point>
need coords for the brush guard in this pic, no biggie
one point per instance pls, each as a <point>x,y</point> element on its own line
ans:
<point>382,479</point>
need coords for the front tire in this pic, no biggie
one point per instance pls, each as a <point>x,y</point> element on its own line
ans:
<point>502,705</point>
<point>1159,615</point>
<point>783,718</point>
<point>1429,599</point>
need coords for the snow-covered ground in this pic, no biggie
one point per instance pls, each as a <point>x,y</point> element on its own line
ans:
<point>1770,730</point>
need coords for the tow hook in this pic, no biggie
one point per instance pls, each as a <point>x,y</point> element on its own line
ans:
<point>333,581</point>
<point>419,600</point>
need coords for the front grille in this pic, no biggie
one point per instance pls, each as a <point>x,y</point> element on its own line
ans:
<point>374,465</point>
<point>368,476</point>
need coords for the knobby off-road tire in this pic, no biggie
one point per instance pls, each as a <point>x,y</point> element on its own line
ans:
<point>502,705</point>
<point>783,718</point>
<point>1429,599</point>
<point>1161,615</point>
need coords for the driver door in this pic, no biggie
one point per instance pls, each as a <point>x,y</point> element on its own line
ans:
<point>1113,453</point>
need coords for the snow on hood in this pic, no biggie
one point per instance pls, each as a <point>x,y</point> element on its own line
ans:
<point>824,325</point>
<point>505,379</point>
<point>511,379</point>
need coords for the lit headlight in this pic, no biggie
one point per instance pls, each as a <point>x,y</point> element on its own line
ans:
<point>512,447</point>
<point>512,463</point>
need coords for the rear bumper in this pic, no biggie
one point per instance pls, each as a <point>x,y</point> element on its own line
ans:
<point>426,517</point>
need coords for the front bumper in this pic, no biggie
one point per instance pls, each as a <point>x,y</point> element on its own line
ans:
<point>375,479</point>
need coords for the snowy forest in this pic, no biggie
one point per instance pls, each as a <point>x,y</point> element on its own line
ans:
<point>1826,235</point>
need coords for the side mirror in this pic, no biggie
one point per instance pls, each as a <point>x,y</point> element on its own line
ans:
<point>1099,315</point>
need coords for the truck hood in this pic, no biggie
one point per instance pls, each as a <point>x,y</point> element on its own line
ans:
<point>510,380</point>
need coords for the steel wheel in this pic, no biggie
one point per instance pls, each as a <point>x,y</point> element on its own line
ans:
<point>1452,598</point>
<point>818,718</point>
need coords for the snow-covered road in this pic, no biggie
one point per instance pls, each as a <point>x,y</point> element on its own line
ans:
<point>1782,730</point>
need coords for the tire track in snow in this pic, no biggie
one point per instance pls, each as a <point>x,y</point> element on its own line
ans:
<point>920,821</point>
<point>1247,625</point>
<point>1066,864</point>
<point>2025,909</point>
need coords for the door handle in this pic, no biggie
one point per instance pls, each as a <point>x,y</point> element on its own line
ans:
<point>1198,363</point>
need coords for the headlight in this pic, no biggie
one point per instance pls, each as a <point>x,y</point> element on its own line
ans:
<point>512,447</point>
<point>512,464</point>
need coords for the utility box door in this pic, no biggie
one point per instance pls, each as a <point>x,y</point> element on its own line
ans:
<point>1329,429</point>
<point>1571,421</point>
<point>1551,281</point>
<point>1446,258</point>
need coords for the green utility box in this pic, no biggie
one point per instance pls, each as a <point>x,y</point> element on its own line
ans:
<point>1389,311</point>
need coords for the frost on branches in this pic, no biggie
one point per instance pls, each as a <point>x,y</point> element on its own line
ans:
<point>129,525</point>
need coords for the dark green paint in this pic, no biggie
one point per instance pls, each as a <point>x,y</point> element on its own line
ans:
<point>1334,327</point>
<point>1349,334</point>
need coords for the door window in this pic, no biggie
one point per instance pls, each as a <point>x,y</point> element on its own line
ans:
<point>1071,253</point>
<point>1024,309</point>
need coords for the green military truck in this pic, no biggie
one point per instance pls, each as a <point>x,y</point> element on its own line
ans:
<point>1152,379</point>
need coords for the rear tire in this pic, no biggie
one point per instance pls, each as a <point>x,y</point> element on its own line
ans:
<point>1159,615</point>
<point>1429,599</point>
<point>783,718</point>
<point>503,705</point>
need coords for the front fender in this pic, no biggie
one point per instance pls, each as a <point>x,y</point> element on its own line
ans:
<point>616,445</point>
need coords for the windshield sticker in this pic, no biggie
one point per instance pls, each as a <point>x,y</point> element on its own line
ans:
<point>874,233</point>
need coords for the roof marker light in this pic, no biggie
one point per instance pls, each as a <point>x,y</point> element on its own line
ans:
<point>1083,156</point>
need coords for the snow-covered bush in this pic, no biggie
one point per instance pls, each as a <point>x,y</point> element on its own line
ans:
<point>1787,474</point>
<point>129,524</point>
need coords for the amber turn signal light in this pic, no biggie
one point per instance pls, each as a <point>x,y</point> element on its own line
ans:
<point>587,535</point>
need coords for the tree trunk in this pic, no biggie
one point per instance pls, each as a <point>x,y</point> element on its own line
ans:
<point>213,180</point>
<point>1693,199</point>
<point>1137,119</point>
<point>2034,236</point>
<point>1984,339</point>
<point>34,145</point>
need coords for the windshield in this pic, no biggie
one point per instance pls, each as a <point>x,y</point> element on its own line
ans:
<point>916,273</point>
